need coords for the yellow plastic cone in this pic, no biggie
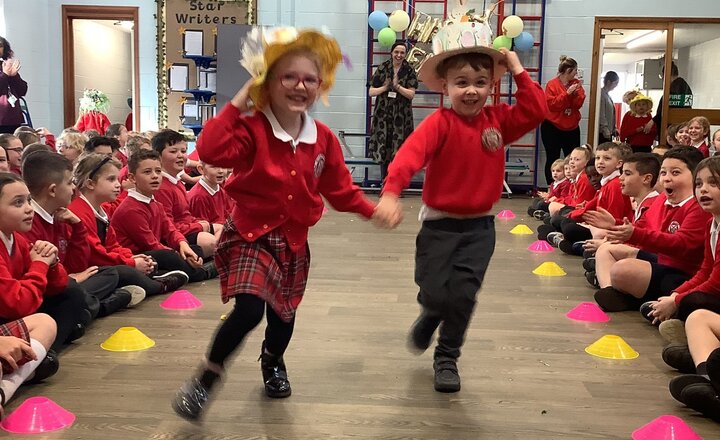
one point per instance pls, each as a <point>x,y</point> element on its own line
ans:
<point>611,347</point>
<point>127,339</point>
<point>521,230</point>
<point>549,269</point>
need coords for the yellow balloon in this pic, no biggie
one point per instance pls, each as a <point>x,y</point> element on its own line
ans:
<point>399,20</point>
<point>512,26</point>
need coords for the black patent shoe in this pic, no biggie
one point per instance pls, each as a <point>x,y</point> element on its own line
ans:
<point>275,376</point>
<point>191,400</point>
<point>48,367</point>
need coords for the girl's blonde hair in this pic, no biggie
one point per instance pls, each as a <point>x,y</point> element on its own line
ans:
<point>560,163</point>
<point>73,140</point>
<point>135,142</point>
<point>91,167</point>
<point>704,123</point>
<point>587,149</point>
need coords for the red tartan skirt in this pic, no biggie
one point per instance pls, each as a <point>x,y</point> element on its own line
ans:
<point>18,329</point>
<point>267,268</point>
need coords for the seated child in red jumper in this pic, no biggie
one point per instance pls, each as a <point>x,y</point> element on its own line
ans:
<point>560,188</point>
<point>97,182</point>
<point>142,225</point>
<point>134,144</point>
<point>31,278</point>
<point>208,198</point>
<point>172,148</point>
<point>462,149</point>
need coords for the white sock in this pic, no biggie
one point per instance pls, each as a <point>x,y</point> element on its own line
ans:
<point>11,382</point>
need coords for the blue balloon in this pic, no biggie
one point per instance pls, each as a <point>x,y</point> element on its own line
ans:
<point>378,20</point>
<point>524,42</point>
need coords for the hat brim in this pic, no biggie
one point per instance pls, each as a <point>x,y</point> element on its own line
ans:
<point>428,72</point>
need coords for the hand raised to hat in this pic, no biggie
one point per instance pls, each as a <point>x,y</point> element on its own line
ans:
<point>511,61</point>
<point>242,100</point>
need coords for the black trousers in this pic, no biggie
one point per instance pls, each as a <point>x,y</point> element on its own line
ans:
<point>697,301</point>
<point>573,232</point>
<point>129,276</point>
<point>168,260</point>
<point>556,141</point>
<point>246,315</point>
<point>68,309</point>
<point>451,259</point>
<point>101,292</point>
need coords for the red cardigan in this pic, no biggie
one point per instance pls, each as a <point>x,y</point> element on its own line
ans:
<point>274,185</point>
<point>675,234</point>
<point>24,283</point>
<point>109,253</point>
<point>173,198</point>
<point>213,208</point>
<point>611,198</point>
<point>144,227</point>
<point>629,133</point>
<point>564,109</point>
<point>707,278</point>
<point>561,189</point>
<point>71,241</point>
<point>581,190</point>
<point>465,158</point>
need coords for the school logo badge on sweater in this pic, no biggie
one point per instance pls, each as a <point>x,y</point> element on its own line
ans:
<point>673,227</point>
<point>492,139</point>
<point>319,164</point>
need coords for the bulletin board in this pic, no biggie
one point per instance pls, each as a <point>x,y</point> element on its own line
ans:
<point>190,27</point>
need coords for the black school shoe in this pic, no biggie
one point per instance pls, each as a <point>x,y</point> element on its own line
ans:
<point>48,367</point>
<point>191,400</point>
<point>591,278</point>
<point>172,281</point>
<point>610,300</point>
<point>79,330</point>
<point>679,383</point>
<point>678,357</point>
<point>543,231</point>
<point>589,264</point>
<point>421,333</point>
<point>275,375</point>
<point>645,309</point>
<point>447,379</point>
<point>702,397</point>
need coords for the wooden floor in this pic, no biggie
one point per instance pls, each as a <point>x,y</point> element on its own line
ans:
<point>524,371</point>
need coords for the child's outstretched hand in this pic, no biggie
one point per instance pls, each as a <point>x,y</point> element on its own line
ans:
<point>388,212</point>
<point>512,62</point>
<point>242,100</point>
<point>187,254</point>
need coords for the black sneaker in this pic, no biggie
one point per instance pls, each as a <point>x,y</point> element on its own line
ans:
<point>421,333</point>
<point>47,368</point>
<point>191,400</point>
<point>79,330</point>
<point>679,383</point>
<point>713,368</point>
<point>275,375</point>
<point>447,379</point>
<point>588,254</point>
<point>591,278</point>
<point>646,309</point>
<point>172,281</point>
<point>703,398</point>
<point>678,357</point>
<point>589,264</point>
<point>210,270</point>
<point>539,214</point>
<point>610,300</point>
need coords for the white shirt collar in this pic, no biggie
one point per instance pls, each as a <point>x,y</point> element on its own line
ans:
<point>606,179</point>
<point>639,210</point>
<point>101,215</point>
<point>558,182</point>
<point>173,179</point>
<point>308,132</point>
<point>679,205</point>
<point>207,187</point>
<point>714,236</point>
<point>8,241</point>
<point>140,197</point>
<point>39,210</point>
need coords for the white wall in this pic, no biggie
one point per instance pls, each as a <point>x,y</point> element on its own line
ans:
<point>103,61</point>
<point>702,74</point>
<point>34,30</point>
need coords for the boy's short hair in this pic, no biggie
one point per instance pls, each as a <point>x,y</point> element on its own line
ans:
<point>91,133</point>
<point>37,146</point>
<point>691,156</point>
<point>558,163</point>
<point>5,140</point>
<point>621,150</point>
<point>43,168</point>
<point>114,130</point>
<point>166,138</point>
<point>134,143</point>
<point>474,59</point>
<point>646,163</point>
<point>99,141</point>
<point>134,160</point>
<point>28,137</point>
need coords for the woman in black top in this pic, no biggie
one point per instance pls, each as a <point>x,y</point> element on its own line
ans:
<point>12,88</point>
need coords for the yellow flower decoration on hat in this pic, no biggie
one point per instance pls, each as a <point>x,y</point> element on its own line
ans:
<point>277,42</point>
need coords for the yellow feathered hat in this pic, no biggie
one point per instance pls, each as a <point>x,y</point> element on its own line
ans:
<point>263,47</point>
<point>640,97</point>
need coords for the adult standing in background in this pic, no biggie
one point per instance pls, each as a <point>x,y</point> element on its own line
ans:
<point>678,86</point>
<point>606,124</point>
<point>12,88</point>
<point>394,84</point>
<point>561,130</point>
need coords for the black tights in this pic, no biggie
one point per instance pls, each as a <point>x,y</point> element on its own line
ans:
<point>697,301</point>
<point>246,315</point>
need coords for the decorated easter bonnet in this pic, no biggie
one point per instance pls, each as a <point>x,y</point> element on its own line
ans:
<point>455,39</point>
<point>629,95</point>
<point>639,98</point>
<point>263,47</point>
<point>94,100</point>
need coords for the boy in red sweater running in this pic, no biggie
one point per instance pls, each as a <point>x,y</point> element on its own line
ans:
<point>462,149</point>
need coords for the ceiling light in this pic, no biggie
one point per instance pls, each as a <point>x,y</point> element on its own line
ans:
<point>644,39</point>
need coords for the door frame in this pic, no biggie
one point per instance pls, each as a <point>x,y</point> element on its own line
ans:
<point>670,115</point>
<point>75,12</point>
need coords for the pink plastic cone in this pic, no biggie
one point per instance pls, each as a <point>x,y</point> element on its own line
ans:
<point>588,312</point>
<point>37,415</point>
<point>665,428</point>
<point>541,247</point>
<point>505,214</point>
<point>181,300</point>
<point>325,211</point>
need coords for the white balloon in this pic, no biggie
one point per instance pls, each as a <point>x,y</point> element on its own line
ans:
<point>512,26</point>
<point>399,20</point>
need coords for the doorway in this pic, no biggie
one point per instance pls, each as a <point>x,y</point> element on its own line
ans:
<point>100,51</point>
